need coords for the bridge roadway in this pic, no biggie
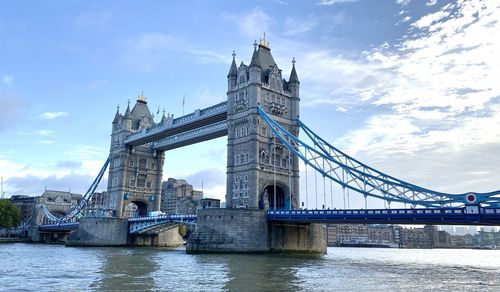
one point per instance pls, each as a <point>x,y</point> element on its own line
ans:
<point>470,215</point>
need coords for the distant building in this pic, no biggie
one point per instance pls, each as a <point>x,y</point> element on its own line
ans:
<point>179,197</point>
<point>381,233</point>
<point>368,235</point>
<point>426,237</point>
<point>100,205</point>
<point>444,239</point>
<point>209,203</point>
<point>25,205</point>
<point>339,233</point>
<point>457,241</point>
<point>415,238</point>
<point>58,203</point>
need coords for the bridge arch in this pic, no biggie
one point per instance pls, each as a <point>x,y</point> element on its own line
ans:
<point>282,196</point>
<point>135,208</point>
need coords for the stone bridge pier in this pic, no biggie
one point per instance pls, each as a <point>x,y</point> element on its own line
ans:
<point>248,231</point>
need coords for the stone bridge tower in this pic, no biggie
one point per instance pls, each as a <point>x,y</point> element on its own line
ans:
<point>135,174</point>
<point>261,172</point>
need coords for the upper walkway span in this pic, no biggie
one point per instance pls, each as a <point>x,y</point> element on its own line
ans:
<point>198,120</point>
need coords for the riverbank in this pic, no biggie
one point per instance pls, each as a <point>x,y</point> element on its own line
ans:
<point>12,239</point>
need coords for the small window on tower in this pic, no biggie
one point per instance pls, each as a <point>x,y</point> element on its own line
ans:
<point>141,182</point>
<point>142,163</point>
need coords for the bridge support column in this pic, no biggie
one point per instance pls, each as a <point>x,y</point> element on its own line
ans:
<point>165,238</point>
<point>297,237</point>
<point>100,232</point>
<point>247,231</point>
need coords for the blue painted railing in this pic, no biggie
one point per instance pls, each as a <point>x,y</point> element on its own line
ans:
<point>143,224</point>
<point>62,227</point>
<point>469,215</point>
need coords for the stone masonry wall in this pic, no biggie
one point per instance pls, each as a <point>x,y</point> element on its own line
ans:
<point>165,238</point>
<point>297,237</point>
<point>229,230</point>
<point>100,232</point>
<point>247,230</point>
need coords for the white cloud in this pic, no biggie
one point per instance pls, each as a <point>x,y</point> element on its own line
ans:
<point>295,25</point>
<point>431,2</point>
<point>403,2</point>
<point>89,153</point>
<point>53,115</point>
<point>74,174</point>
<point>280,2</point>
<point>441,90</point>
<point>35,185</point>
<point>341,109</point>
<point>149,50</point>
<point>7,79</point>
<point>47,133</point>
<point>253,23</point>
<point>333,2</point>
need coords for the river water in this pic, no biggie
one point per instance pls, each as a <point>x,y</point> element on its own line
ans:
<point>37,267</point>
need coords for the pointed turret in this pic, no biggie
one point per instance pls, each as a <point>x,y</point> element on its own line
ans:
<point>293,75</point>
<point>255,57</point>
<point>232,75</point>
<point>127,114</point>
<point>163,118</point>
<point>140,115</point>
<point>117,115</point>
<point>233,72</point>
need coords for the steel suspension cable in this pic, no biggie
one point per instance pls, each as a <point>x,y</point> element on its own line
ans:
<point>274,168</point>
<point>331,193</point>
<point>305,165</point>
<point>324,188</point>
<point>290,183</point>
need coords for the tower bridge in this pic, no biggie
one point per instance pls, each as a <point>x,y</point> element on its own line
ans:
<point>261,121</point>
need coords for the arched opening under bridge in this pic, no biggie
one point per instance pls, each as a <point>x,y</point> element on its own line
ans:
<point>282,197</point>
<point>135,209</point>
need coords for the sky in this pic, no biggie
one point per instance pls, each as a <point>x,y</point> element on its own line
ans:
<point>410,87</point>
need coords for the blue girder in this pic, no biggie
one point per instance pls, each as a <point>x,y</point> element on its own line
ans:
<point>61,227</point>
<point>76,211</point>
<point>145,224</point>
<point>469,215</point>
<point>354,175</point>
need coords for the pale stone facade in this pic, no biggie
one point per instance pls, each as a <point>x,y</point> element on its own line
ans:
<point>135,173</point>
<point>261,172</point>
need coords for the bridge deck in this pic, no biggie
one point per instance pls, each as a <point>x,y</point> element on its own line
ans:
<point>63,227</point>
<point>438,216</point>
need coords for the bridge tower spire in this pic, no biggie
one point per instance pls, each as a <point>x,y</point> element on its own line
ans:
<point>260,172</point>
